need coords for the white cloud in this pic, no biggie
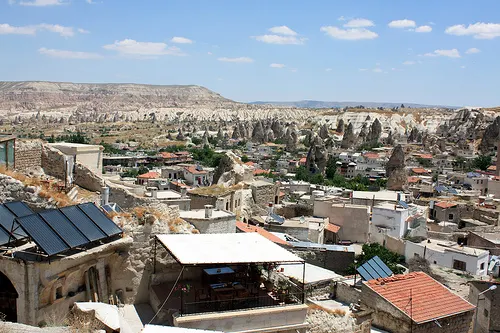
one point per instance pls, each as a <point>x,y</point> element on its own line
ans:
<point>209,53</point>
<point>83,31</point>
<point>359,23</point>
<point>238,60</point>
<point>424,28</point>
<point>328,70</point>
<point>281,40</point>
<point>181,40</point>
<point>363,69</point>
<point>294,70</point>
<point>478,30</point>
<point>349,34</point>
<point>6,29</point>
<point>377,70</point>
<point>342,18</point>
<point>277,65</point>
<point>402,24</point>
<point>64,54</point>
<point>409,63</point>
<point>42,3</point>
<point>135,48</point>
<point>283,30</point>
<point>91,2</point>
<point>472,50</point>
<point>444,53</point>
<point>463,67</point>
<point>61,30</point>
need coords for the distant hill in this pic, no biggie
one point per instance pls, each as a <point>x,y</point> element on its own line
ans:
<point>323,104</point>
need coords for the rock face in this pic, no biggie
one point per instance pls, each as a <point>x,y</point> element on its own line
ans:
<point>340,126</point>
<point>323,132</point>
<point>317,156</point>
<point>349,139</point>
<point>375,132</point>
<point>490,137</point>
<point>231,171</point>
<point>395,170</point>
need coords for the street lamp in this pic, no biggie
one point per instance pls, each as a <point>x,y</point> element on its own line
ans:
<point>491,288</point>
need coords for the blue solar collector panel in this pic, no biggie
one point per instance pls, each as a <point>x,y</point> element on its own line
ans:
<point>83,223</point>
<point>374,269</point>
<point>4,237</point>
<point>8,221</point>
<point>64,228</point>
<point>102,221</point>
<point>19,208</point>
<point>46,239</point>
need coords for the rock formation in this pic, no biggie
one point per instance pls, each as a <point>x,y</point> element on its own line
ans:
<point>317,157</point>
<point>349,139</point>
<point>396,170</point>
<point>490,137</point>
<point>340,126</point>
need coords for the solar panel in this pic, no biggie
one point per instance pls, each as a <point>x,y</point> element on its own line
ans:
<point>7,220</point>
<point>4,237</point>
<point>403,204</point>
<point>277,218</point>
<point>374,269</point>
<point>382,265</point>
<point>46,239</point>
<point>83,223</point>
<point>19,208</point>
<point>64,228</point>
<point>96,215</point>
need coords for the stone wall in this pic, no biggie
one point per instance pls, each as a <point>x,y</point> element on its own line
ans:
<point>479,242</point>
<point>485,215</point>
<point>53,163</point>
<point>222,225</point>
<point>87,179</point>
<point>199,201</point>
<point>263,194</point>
<point>28,155</point>
<point>336,261</point>
<point>395,245</point>
<point>346,293</point>
<point>293,210</point>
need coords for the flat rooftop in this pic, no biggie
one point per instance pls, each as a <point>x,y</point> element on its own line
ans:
<point>199,214</point>
<point>445,246</point>
<point>492,237</point>
<point>381,195</point>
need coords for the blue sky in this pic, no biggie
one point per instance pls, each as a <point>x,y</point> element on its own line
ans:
<point>422,51</point>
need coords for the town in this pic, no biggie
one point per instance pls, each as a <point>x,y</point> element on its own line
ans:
<point>339,224</point>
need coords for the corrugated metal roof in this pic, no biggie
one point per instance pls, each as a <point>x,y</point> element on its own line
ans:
<point>430,300</point>
<point>236,248</point>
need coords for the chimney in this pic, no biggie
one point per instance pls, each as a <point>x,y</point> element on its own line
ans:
<point>183,192</point>
<point>104,195</point>
<point>219,204</point>
<point>154,193</point>
<point>209,209</point>
<point>270,208</point>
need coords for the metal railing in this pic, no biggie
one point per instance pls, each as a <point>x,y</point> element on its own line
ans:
<point>234,304</point>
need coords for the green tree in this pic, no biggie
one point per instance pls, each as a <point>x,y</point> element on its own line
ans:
<point>245,159</point>
<point>331,167</point>
<point>482,162</point>
<point>302,174</point>
<point>425,162</point>
<point>460,163</point>
<point>391,259</point>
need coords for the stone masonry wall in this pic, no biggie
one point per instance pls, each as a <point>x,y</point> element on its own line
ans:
<point>28,155</point>
<point>87,179</point>
<point>53,162</point>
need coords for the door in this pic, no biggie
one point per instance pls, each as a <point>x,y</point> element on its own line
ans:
<point>8,299</point>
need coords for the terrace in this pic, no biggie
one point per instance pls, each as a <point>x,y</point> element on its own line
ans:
<point>236,273</point>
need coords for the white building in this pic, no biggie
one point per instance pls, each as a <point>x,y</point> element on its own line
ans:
<point>450,255</point>
<point>88,155</point>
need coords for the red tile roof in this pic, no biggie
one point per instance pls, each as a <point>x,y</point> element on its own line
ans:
<point>413,179</point>
<point>303,160</point>
<point>419,170</point>
<point>182,153</point>
<point>373,156</point>
<point>192,169</point>
<point>257,172</point>
<point>149,175</point>
<point>445,204</point>
<point>332,227</point>
<point>425,156</point>
<point>251,228</point>
<point>250,163</point>
<point>492,168</point>
<point>168,155</point>
<point>430,300</point>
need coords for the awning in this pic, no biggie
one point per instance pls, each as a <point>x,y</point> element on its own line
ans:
<point>332,227</point>
<point>235,248</point>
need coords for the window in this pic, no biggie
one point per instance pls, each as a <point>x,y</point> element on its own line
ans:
<point>435,262</point>
<point>59,293</point>
<point>481,267</point>
<point>486,313</point>
<point>460,265</point>
<point>416,255</point>
<point>450,217</point>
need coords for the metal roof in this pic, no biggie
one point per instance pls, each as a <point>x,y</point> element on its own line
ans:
<point>235,248</point>
<point>313,274</point>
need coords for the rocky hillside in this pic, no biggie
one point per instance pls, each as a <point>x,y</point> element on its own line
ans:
<point>30,95</point>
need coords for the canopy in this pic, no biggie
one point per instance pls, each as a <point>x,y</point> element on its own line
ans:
<point>235,248</point>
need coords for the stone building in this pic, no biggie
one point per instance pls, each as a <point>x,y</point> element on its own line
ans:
<point>88,155</point>
<point>223,198</point>
<point>210,220</point>
<point>43,272</point>
<point>415,303</point>
<point>264,192</point>
<point>488,306</point>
